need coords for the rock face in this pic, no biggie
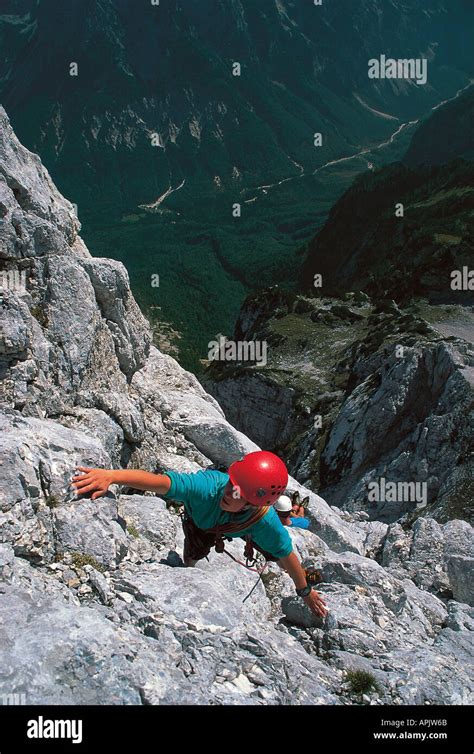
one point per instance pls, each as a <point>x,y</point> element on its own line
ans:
<point>123,144</point>
<point>406,419</point>
<point>276,404</point>
<point>437,558</point>
<point>95,606</point>
<point>388,401</point>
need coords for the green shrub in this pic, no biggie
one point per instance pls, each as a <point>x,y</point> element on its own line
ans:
<point>52,501</point>
<point>360,681</point>
<point>133,531</point>
<point>80,559</point>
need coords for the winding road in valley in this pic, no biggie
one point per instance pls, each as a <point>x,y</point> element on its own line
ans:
<point>363,152</point>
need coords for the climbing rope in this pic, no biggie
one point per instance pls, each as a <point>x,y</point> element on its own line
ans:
<point>249,568</point>
<point>245,565</point>
<point>219,547</point>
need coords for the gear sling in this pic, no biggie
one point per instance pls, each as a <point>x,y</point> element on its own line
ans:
<point>198,542</point>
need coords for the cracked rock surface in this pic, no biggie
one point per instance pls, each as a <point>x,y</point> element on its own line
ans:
<point>95,606</point>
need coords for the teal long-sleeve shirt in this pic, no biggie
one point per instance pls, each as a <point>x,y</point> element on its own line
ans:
<point>201,493</point>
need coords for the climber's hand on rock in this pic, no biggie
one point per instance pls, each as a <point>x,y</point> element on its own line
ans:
<point>96,481</point>
<point>316,603</point>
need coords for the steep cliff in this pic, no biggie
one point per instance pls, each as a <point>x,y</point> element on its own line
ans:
<point>94,606</point>
<point>372,370</point>
<point>356,391</point>
<point>138,116</point>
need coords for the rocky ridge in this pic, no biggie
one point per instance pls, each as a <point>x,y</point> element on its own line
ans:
<point>357,390</point>
<point>94,605</point>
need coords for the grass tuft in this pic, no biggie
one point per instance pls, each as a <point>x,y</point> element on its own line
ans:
<point>361,681</point>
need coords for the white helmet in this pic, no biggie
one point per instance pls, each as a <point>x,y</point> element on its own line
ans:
<point>283,504</point>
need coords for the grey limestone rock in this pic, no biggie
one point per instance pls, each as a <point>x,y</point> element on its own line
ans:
<point>95,605</point>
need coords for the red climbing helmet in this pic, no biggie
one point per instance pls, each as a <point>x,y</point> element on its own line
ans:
<point>261,477</point>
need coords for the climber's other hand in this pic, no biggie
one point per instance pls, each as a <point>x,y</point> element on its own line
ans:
<point>316,603</point>
<point>96,481</point>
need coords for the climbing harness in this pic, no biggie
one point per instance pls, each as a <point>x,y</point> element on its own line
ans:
<point>234,527</point>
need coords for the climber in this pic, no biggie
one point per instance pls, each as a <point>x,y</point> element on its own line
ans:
<point>238,503</point>
<point>291,514</point>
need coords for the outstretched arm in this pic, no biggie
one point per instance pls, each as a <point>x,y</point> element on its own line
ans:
<point>292,565</point>
<point>98,481</point>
